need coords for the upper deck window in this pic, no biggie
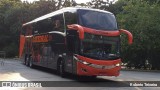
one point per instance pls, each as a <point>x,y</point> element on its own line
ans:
<point>97,20</point>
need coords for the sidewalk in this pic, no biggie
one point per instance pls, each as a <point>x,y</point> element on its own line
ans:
<point>140,70</point>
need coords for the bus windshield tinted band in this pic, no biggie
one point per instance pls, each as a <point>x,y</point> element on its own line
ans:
<point>100,47</point>
<point>97,20</point>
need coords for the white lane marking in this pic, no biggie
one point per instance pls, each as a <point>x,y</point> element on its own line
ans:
<point>137,88</point>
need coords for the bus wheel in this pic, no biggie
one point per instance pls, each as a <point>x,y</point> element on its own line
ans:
<point>61,68</point>
<point>31,62</point>
<point>26,60</point>
<point>93,77</point>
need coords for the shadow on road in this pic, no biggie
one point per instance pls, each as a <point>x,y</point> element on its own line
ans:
<point>80,81</point>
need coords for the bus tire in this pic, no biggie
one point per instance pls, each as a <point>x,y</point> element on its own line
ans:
<point>61,68</point>
<point>26,61</point>
<point>93,77</point>
<point>31,62</point>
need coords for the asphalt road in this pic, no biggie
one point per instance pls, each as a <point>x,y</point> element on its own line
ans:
<point>14,70</point>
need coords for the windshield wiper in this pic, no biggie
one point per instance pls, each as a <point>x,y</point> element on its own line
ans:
<point>113,56</point>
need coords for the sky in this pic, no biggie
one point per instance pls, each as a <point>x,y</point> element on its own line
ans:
<point>78,1</point>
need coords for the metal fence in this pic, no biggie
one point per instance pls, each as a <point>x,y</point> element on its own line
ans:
<point>2,57</point>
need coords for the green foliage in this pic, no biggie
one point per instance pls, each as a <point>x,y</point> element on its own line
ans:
<point>7,11</point>
<point>117,7</point>
<point>13,13</point>
<point>142,19</point>
<point>11,50</point>
<point>100,4</point>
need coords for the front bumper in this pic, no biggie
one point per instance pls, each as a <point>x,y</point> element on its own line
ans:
<point>92,67</point>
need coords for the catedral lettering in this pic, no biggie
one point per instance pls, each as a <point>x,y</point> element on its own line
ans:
<point>42,38</point>
<point>80,41</point>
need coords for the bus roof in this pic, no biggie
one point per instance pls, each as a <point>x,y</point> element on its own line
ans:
<point>68,9</point>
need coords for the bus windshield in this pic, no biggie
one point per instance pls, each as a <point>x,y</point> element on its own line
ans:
<point>97,20</point>
<point>100,47</point>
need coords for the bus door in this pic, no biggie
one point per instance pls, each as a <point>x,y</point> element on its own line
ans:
<point>72,48</point>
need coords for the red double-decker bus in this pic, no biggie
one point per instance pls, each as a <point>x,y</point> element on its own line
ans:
<point>80,41</point>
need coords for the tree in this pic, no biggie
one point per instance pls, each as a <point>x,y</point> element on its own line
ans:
<point>141,18</point>
<point>99,4</point>
<point>117,7</point>
<point>8,26</point>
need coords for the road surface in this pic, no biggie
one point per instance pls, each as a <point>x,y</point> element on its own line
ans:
<point>14,70</point>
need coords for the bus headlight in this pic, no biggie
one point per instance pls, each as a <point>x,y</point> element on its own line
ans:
<point>86,63</point>
<point>118,64</point>
<point>97,66</point>
<point>81,61</point>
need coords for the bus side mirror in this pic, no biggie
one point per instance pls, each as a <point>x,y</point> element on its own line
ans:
<point>130,36</point>
<point>78,28</point>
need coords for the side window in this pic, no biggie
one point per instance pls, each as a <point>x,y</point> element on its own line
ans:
<point>43,26</point>
<point>70,18</point>
<point>55,23</point>
<point>58,23</point>
<point>35,28</point>
<point>46,50</point>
